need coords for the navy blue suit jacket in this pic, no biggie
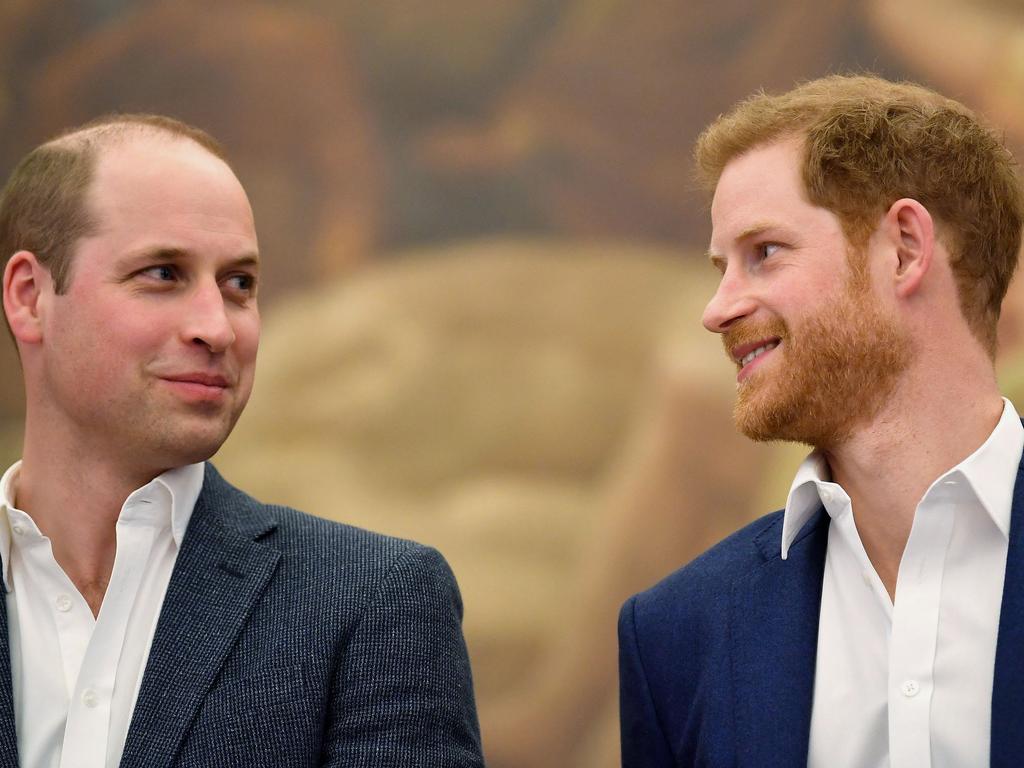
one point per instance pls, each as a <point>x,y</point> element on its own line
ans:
<point>286,640</point>
<point>716,662</point>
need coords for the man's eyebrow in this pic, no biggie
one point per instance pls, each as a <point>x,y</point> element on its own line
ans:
<point>157,253</point>
<point>248,260</point>
<point>153,254</point>
<point>251,259</point>
<point>755,229</point>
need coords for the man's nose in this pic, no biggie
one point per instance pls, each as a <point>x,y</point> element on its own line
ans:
<point>207,321</point>
<point>731,302</point>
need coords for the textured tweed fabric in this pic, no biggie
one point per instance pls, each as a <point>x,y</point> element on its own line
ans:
<point>286,640</point>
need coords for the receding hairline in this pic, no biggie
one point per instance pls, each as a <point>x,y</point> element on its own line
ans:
<point>110,130</point>
<point>96,141</point>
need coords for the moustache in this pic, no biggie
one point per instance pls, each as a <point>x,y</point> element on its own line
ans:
<point>748,332</point>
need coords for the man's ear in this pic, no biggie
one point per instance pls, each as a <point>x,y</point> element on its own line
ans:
<point>24,281</point>
<point>910,230</point>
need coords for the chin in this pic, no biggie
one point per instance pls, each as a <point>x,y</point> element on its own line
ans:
<point>757,415</point>
<point>793,421</point>
<point>191,447</point>
<point>764,418</point>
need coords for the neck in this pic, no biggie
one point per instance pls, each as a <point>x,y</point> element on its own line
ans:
<point>74,494</point>
<point>923,431</point>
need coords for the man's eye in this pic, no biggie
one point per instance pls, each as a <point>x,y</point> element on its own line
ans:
<point>764,250</point>
<point>242,282</point>
<point>163,272</point>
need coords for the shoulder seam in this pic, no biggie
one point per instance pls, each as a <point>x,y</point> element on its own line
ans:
<point>402,554</point>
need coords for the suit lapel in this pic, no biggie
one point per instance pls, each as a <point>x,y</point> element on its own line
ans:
<point>1008,683</point>
<point>219,575</point>
<point>8,734</point>
<point>774,648</point>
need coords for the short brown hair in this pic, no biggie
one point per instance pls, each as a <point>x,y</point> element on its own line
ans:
<point>869,142</point>
<point>43,205</point>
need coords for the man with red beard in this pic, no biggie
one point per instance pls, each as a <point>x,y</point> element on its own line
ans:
<point>866,233</point>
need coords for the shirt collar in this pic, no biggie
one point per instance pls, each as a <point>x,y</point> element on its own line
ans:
<point>990,471</point>
<point>182,485</point>
<point>804,497</point>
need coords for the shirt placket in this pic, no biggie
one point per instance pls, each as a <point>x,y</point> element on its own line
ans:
<point>915,631</point>
<point>87,731</point>
<point>856,591</point>
<point>71,615</point>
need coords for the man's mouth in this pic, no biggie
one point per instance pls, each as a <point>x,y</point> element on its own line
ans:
<point>746,355</point>
<point>750,356</point>
<point>206,379</point>
<point>198,386</point>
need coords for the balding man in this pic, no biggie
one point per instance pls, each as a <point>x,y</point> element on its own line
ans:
<point>155,615</point>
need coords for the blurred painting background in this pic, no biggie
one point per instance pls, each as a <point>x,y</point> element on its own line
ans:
<point>483,275</point>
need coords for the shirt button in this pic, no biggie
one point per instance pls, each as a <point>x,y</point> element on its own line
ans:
<point>89,698</point>
<point>17,529</point>
<point>910,688</point>
<point>63,603</point>
<point>866,575</point>
<point>827,495</point>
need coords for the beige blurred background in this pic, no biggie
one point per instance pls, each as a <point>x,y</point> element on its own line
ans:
<point>483,278</point>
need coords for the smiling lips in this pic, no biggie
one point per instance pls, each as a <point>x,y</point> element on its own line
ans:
<point>208,379</point>
<point>198,386</point>
<point>745,355</point>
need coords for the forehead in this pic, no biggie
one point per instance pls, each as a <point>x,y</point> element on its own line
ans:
<point>758,178</point>
<point>165,179</point>
<point>761,190</point>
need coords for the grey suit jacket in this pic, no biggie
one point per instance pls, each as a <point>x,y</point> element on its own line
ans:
<point>286,640</point>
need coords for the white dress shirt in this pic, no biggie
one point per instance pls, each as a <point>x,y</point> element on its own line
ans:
<point>908,683</point>
<point>76,677</point>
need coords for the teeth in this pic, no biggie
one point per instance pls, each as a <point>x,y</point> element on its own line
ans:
<point>750,356</point>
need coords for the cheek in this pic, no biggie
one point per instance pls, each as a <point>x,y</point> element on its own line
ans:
<point>808,297</point>
<point>247,339</point>
<point>142,339</point>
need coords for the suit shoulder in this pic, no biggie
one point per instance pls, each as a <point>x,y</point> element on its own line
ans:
<point>326,545</point>
<point>707,580</point>
<point>350,548</point>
